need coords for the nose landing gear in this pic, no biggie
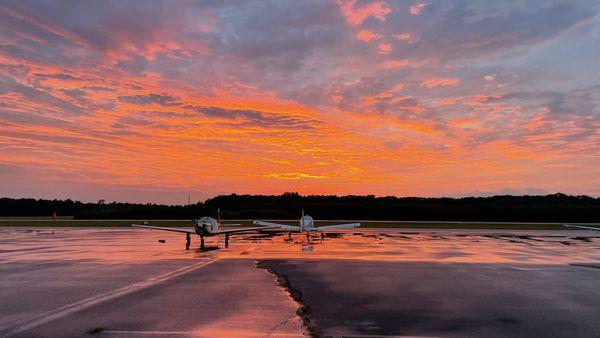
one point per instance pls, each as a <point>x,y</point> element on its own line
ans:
<point>187,241</point>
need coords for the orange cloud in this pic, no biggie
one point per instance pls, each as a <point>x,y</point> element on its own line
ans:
<point>357,15</point>
<point>366,35</point>
<point>480,98</point>
<point>385,48</point>
<point>376,98</point>
<point>439,82</point>
<point>396,63</point>
<point>446,101</point>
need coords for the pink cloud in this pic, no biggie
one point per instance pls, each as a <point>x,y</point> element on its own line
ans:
<point>376,98</point>
<point>356,15</point>
<point>405,37</point>
<point>417,8</point>
<point>367,35</point>
<point>395,63</point>
<point>385,48</point>
<point>439,82</point>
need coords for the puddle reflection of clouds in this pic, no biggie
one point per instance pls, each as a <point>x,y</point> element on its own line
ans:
<point>116,244</point>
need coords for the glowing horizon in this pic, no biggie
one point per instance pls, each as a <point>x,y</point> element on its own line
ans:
<point>155,101</point>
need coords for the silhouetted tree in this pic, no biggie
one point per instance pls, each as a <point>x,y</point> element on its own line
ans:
<point>550,208</point>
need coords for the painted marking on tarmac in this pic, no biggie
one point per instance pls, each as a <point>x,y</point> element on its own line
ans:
<point>549,268</point>
<point>150,333</point>
<point>583,265</point>
<point>379,336</point>
<point>68,309</point>
<point>195,333</point>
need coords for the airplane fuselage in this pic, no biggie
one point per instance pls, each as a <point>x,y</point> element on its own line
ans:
<point>206,226</point>
<point>307,223</point>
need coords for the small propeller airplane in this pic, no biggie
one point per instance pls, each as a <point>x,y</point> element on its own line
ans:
<point>205,227</point>
<point>307,223</point>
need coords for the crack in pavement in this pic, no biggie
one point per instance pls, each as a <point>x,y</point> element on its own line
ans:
<point>303,310</point>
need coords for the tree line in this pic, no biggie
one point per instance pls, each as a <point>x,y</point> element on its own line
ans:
<point>549,208</point>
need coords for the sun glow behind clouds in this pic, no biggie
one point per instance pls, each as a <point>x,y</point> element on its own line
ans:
<point>152,102</point>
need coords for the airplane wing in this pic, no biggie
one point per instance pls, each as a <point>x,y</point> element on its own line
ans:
<point>581,227</point>
<point>338,226</point>
<point>239,230</point>
<point>186,231</point>
<point>277,225</point>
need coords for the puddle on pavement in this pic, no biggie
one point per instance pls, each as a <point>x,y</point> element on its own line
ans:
<point>124,244</point>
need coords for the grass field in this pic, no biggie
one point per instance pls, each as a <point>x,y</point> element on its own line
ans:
<point>67,222</point>
<point>23,222</point>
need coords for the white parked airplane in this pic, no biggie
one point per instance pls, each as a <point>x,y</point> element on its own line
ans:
<point>205,227</point>
<point>307,224</point>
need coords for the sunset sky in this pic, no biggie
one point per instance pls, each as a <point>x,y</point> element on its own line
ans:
<point>152,101</point>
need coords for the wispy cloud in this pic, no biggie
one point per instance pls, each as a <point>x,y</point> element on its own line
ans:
<point>417,8</point>
<point>439,82</point>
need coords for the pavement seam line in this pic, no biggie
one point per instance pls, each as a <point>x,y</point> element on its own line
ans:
<point>68,309</point>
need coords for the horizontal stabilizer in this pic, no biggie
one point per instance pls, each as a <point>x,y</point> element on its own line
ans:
<point>186,231</point>
<point>337,226</point>
<point>240,230</point>
<point>277,225</point>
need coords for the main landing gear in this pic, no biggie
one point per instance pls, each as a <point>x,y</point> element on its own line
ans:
<point>188,241</point>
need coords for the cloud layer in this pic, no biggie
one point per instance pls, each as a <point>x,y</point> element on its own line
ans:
<point>154,101</point>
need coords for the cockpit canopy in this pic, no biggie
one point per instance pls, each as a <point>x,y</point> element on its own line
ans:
<point>206,225</point>
<point>307,222</point>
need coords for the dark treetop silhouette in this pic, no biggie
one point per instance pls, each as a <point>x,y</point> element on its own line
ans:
<point>550,208</point>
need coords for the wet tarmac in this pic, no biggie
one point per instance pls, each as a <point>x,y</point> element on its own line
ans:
<point>71,282</point>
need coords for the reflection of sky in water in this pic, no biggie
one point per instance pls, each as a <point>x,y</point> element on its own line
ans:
<point>118,244</point>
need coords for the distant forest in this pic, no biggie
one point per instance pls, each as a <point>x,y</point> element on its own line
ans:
<point>550,208</point>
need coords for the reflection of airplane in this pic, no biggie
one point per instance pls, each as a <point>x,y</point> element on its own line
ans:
<point>581,227</point>
<point>307,224</point>
<point>205,227</point>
